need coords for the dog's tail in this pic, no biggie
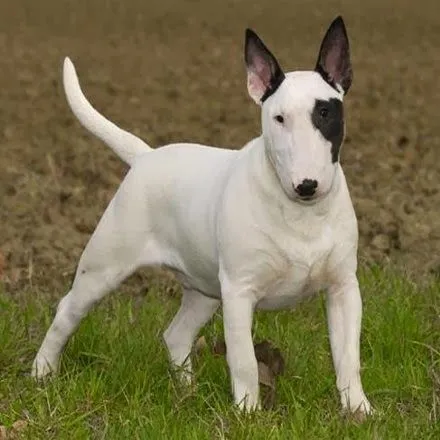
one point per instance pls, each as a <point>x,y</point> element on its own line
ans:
<point>126,145</point>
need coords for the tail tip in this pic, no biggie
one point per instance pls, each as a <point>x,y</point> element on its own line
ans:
<point>68,65</point>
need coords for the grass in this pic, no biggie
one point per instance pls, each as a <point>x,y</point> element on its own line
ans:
<point>115,382</point>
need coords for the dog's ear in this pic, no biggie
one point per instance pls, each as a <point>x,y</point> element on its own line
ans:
<point>264,74</point>
<point>334,63</point>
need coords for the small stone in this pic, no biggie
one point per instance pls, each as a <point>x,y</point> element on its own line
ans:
<point>381,242</point>
<point>403,141</point>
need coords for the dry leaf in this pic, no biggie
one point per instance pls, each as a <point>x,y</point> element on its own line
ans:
<point>219,348</point>
<point>270,364</point>
<point>265,376</point>
<point>15,275</point>
<point>271,356</point>
<point>19,425</point>
<point>2,265</point>
<point>266,379</point>
<point>200,345</point>
<point>3,432</point>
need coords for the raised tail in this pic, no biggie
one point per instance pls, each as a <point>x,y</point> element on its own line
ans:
<point>126,145</point>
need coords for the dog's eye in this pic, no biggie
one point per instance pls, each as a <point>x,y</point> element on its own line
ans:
<point>279,119</point>
<point>323,112</point>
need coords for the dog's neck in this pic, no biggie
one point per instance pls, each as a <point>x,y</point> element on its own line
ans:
<point>271,192</point>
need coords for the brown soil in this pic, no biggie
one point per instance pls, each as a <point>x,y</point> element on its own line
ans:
<point>173,71</point>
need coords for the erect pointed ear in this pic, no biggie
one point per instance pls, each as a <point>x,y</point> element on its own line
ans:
<point>334,63</point>
<point>264,74</point>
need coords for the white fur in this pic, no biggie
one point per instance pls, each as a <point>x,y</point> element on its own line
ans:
<point>295,147</point>
<point>231,227</point>
<point>128,146</point>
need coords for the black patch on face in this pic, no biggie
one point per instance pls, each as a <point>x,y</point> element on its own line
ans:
<point>328,118</point>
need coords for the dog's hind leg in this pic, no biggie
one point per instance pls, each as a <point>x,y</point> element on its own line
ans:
<point>195,311</point>
<point>88,288</point>
<point>111,255</point>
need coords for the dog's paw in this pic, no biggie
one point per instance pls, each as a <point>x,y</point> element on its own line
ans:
<point>357,408</point>
<point>42,368</point>
<point>186,378</point>
<point>249,405</point>
<point>183,376</point>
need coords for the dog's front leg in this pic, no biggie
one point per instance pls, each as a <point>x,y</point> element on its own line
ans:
<point>240,354</point>
<point>344,310</point>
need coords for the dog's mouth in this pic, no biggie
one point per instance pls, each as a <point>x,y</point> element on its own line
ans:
<point>308,200</point>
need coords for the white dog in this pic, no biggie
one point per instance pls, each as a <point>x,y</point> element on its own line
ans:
<point>259,228</point>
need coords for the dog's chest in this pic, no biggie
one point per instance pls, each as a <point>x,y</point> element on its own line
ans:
<point>295,270</point>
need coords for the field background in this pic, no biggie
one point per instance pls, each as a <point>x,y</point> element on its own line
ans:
<point>173,70</point>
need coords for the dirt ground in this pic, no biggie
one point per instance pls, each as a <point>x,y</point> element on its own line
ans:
<point>173,71</point>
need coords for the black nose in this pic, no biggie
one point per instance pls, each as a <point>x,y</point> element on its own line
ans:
<point>307,188</point>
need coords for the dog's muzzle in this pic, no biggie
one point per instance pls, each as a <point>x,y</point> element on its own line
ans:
<point>306,189</point>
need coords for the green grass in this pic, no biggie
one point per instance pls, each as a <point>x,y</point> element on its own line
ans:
<point>115,382</point>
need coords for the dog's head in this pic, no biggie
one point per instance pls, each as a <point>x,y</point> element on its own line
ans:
<point>302,112</point>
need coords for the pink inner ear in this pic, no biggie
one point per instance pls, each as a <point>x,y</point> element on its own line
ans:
<point>256,88</point>
<point>262,70</point>
<point>331,64</point>
<point>258,77</point>
<point>334,64</point>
